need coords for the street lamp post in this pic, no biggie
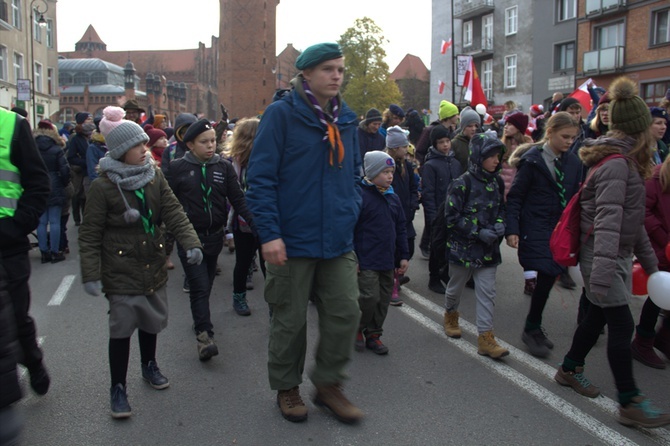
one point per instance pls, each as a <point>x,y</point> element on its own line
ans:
<point>42,24</point>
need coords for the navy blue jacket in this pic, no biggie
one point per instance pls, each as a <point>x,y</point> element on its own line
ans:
<point>368,142</point>
<point>380,235</point>
<point>534,207</point>
<point>50,146</point>
<point>76,151</point>
<point>406,188</point>
<point>439,171</point>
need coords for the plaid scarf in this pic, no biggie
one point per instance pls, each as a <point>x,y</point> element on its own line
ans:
<point>332,133</point>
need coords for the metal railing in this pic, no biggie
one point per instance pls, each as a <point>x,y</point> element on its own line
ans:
<point>607,59</point>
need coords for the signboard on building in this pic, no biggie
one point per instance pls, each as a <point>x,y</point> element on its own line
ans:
<point>562,83</point>
<point>23,89</point>
<point>40,109</point>
<point>461,67</point>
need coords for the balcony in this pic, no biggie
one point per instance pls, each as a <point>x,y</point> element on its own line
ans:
<point>596,8</point>
<point>479,47</point>
<point>4,18</point>
<point>605,60</point>
<point>467,9</point>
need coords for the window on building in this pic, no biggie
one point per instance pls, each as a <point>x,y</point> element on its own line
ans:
<point>37,29</point>
<point>655,92</point>
<point>51,84</point>
<point>16,14</point>
<point>67,114</point>
<point>511,20</point>
<point>467,33</point>
<point>3,63</point>
<point>50,33</point>
<point>64,78</point>
<point>564,56</point>
<point>567,9</point>
<point>39,87</point>
<point>82,79</point>
<point>660,27</point>
<point>487,32</point>
<point>18,66</point>
<point>510,71</point>
<point>487,77</point>
<point>98,78</point>
<point>609,36</point>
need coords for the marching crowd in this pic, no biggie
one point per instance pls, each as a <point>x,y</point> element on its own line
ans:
<point>324,202</point>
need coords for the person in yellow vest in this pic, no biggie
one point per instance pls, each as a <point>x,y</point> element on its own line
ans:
<point>24,190</point>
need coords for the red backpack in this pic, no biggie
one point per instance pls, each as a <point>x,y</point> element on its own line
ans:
<point>566,238</point>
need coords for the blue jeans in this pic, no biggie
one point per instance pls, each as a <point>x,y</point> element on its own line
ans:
<point>51,217</point>
<point>200,279</point>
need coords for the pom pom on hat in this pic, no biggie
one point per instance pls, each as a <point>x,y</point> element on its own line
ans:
<point>518,120</point>
<point>468,117</point>
<point>124,137</point>
<point>396,137</point>
<point>536,110</point>
<point>447,110</point>
<point>375,162</point>
<point>154,134</point>
<point>396,110</point>
<point>111,118</point>
<point>316,54</point>
<point>81,117</point>
<point>372,115</point>
<point>628,112</point>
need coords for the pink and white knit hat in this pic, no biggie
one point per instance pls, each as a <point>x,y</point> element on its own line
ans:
<point>111,118</point>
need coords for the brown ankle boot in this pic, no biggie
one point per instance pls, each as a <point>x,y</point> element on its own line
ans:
<point>291,405</point>
<point>332,398</point>
<point>451,327</point>
<point>643,350</point>
<point>489,347</point>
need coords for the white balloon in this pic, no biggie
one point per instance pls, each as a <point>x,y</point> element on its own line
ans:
<point>481,109</point>
<point>576,275</point>
<point>658,286</point>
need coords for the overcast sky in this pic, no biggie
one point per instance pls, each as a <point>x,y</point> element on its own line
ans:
<point>141,25</point>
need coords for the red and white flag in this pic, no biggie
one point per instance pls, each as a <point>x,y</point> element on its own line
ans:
<point>473,87</point>
<point>445,46</point>
<point>440,87</point>
<point>582,95</point>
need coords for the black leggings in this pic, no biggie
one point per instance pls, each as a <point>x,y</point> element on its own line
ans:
<point>119,352</point>
<point>246,245</point>
<point>620,327</point>
<point>538,300</point>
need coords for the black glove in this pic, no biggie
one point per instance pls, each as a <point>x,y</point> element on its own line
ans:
<point>488,236</point>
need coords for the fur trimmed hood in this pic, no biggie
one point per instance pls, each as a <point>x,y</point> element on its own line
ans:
<point>515,157</point>
<point>52,134</point>
<point>594,150</point>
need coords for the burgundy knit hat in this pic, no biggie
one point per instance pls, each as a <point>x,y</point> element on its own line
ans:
<point>604,99</point>
<point>45,124</point>
<point>154,134</point>
<point>518,120</point>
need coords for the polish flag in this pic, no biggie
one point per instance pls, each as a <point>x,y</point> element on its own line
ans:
<point>473,87</point>
<point>582,95</point>
<point>445,46</point>
<point>440,87</point>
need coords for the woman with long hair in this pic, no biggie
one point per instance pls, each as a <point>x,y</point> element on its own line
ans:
<point>613,214</point>
<point>548,175</point>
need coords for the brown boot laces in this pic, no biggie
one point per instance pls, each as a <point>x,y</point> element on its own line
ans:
<point>292,398</point>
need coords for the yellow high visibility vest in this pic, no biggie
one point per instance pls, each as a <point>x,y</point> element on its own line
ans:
<point>10,177</point>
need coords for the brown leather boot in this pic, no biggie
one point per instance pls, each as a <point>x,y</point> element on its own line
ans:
<point>643,350</point>
<point>332,398</point>
<point>451,327</point>
<point>489,347</point>
<point>291,405</point>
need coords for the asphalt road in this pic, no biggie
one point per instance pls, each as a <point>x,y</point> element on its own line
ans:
<point>429,390</point>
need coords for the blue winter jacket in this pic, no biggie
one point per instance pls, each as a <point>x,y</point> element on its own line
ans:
<point>534,207</point>
<point>370,141</point>
<point>293,191</point>
<point>380,234</point>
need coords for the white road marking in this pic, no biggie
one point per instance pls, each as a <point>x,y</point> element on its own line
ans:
<point>590,424</point>
<point>61,292</point>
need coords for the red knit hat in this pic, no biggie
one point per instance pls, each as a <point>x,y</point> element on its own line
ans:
<point>604,99</point>
<point>518,120</point>
<point>154,134</point>
<point>536,110</point>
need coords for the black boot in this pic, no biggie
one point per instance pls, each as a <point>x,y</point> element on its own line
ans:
<point>46,256</point>
<point>57,257</point>
<point>435,285</point>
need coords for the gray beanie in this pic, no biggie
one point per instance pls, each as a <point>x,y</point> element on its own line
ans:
<point>469,116</point>
<point>396,137</point>
<point>375,162</point>
<point>123,138</point>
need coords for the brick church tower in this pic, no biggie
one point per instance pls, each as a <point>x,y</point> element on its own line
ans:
<point>247,55</point>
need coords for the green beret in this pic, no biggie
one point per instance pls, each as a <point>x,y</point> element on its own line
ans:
<point>316,54</point>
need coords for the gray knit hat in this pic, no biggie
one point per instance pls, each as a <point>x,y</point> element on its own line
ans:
<point>123,138</point>
<point>396,137</point>
<point>469,116</point>
<point>375,162</point>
